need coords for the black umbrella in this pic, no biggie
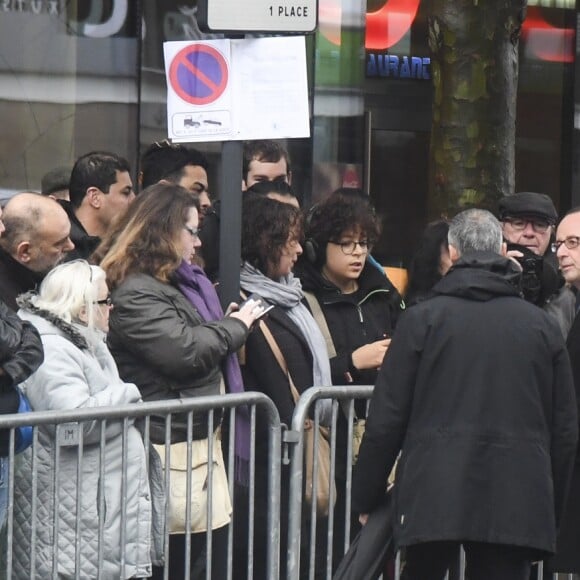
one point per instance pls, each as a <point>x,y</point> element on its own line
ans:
<point>368,553</point>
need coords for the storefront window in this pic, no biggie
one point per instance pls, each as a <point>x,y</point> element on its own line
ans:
<point>338,140</point>
<point>68,85</point>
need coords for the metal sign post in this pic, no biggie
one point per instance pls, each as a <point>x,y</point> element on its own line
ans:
<point>230,223</point>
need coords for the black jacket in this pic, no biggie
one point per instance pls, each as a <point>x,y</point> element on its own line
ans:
<point>85,244</point>
<point>476,390</point>
<point>261,370</point>
<point>209,234</point>
<point>567,558</point>
<point>15,279</point>
<point>356,319</point>
<point>21,354</point>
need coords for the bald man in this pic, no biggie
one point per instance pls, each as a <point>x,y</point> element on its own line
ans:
<point>36,238</point>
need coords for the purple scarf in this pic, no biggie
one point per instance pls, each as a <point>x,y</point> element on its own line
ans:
<point>198,289</point>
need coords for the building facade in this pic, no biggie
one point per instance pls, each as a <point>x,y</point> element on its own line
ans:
<point>88,74</point>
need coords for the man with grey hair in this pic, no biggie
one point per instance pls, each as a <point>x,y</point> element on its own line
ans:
<point>36,238</point>
<point>476,392</point>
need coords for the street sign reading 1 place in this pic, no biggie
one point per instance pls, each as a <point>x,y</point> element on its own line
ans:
<point>246,16</point>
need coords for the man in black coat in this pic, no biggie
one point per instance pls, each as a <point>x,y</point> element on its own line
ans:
<point>476,392</point>
<point>567,247</point>
<point>21,354</point>
<point>36,239</point>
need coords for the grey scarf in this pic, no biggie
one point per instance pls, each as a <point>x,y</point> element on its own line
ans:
<point>287,294</point>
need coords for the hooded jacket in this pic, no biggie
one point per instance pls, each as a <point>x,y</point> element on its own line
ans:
<point>476,392</point>
<point>79,372</point>
<point>368,315</point>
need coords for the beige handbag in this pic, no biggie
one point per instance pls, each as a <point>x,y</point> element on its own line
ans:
<point>359,424</point>
<point>177,494</point>
<point>323,482</point>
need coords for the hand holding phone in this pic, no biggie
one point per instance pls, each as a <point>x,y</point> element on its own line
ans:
<point>252,309</point>
<point>261,305</point>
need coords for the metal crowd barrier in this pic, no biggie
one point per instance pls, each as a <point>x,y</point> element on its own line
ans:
<point>310,405</point>
<point>341,399</point>
<point>68,432</point>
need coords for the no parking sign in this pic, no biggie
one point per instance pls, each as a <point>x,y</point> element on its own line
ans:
<point>199,74</point>
<point>199,92</point>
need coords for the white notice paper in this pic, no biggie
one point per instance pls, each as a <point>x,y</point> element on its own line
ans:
<point>223,90</point>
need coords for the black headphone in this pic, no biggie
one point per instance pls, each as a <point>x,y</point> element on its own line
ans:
<point>313,253</point>
<point>312,249</point>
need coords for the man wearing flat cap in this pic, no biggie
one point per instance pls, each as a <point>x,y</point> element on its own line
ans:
<point>528,220</point>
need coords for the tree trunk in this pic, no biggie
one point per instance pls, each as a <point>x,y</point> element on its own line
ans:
<point>474,46</point>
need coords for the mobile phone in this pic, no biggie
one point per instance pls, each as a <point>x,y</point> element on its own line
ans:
<point>257,298</point>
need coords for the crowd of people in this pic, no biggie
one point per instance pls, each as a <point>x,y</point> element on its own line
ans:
<point>109,298</point>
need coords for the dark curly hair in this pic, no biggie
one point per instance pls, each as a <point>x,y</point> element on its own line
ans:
<point>343,211</point>
<point>266,226</point>
<point>424,271</point>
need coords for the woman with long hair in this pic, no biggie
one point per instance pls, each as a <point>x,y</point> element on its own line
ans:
<point>170,337</point>
<point>271,245</point>
<point>71,313</point>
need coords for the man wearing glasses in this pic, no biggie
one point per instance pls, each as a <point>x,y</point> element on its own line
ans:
<point>567,250</point>
<point>528,221</point>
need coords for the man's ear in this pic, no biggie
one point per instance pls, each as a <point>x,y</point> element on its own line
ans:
<point>93,196</point>
<point>22,253</point>
<point>289,177</point>
<point>503,250</point>
<point>454,254</point>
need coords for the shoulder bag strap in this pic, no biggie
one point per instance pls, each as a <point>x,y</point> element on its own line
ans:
<point>279,357</point>
<point>321,321</point>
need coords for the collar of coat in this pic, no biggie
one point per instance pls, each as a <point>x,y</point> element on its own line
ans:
<point>313,281</point>
<point>481,276</point>
<point>67,328</point>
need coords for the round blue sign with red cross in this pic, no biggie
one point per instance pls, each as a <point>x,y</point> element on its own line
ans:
<point>199,74</point>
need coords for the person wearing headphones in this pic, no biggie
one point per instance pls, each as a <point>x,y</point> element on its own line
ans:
<point>355,305</point>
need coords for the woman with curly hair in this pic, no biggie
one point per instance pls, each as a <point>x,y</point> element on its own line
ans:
<point>354,302</point>
<point>169,336</point>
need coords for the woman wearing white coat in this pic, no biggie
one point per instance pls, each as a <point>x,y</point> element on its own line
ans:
<point>71,314</point>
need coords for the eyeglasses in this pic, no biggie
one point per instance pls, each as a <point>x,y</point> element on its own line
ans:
<point>348,248</point>
<point>570,242</point>
<point>539,226</point>
<point>194,232</point>
<point>108,301</point>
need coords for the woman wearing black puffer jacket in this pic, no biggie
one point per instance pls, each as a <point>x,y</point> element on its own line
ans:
<point>357,302</point>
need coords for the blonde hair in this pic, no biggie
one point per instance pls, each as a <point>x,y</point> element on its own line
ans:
<point>68,289</point>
